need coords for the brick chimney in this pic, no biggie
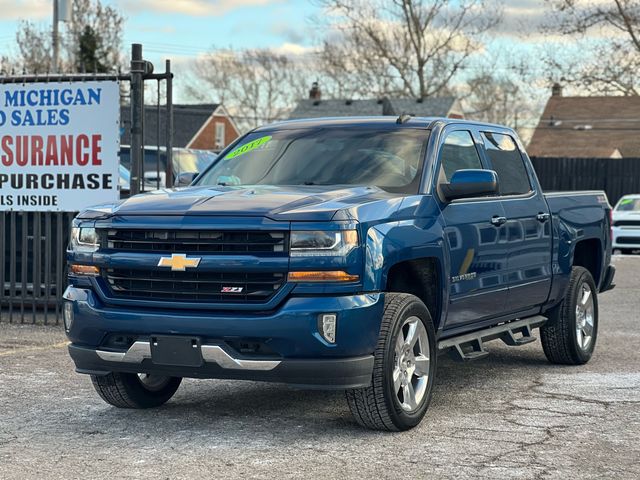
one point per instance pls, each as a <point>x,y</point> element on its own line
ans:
<point>556,90</point>
<point>314,92</point>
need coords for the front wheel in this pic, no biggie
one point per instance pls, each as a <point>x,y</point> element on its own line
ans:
<point>130,390</point>
<point>404,368</point>
<point>569,337</point>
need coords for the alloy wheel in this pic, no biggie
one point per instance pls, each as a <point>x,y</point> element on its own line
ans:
<point>585,318</point>
<point>411,365</point>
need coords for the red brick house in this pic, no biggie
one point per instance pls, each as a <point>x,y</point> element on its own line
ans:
<point>218,131</point>
<point>197,126</point>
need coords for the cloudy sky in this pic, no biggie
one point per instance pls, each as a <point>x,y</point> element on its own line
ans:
<point>186,27</point>
<point>183,29</point>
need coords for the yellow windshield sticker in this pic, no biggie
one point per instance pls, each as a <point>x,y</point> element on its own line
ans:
<point>626,201</point>
<point>247,147</point>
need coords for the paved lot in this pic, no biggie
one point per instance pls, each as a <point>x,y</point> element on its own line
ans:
<point>511,415</point>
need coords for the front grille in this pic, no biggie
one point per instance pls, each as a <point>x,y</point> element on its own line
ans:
<point>192,286</point>
<point>628,240</point>
<point>216,242</point>
<point>627,223</point>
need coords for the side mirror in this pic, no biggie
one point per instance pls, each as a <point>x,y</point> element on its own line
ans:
<point>470,183</point>
<point>185,179</point>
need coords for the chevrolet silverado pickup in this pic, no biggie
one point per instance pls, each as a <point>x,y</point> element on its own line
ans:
<point>338,254</point>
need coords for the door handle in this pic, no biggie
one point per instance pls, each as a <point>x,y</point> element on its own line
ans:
<point>497,221</point>
<point>542,217</point>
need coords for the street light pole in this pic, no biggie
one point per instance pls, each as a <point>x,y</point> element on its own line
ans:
<point>61,13</point>
<point>55,38</point>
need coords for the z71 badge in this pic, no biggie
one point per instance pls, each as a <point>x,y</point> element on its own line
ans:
<point>231,289</point>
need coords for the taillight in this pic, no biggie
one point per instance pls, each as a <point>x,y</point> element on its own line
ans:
<point>611,225</point>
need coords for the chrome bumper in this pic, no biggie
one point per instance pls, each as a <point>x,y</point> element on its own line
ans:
<point>141,350</point>
<point>220,362</point>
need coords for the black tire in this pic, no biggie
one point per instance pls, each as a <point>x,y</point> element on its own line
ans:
<point>126,390</point>
<point>626,251</point>
<point>559,335</point>
<point>377,406</point>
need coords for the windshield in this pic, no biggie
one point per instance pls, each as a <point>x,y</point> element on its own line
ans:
<point>391,159</point>
<point>629,205</point>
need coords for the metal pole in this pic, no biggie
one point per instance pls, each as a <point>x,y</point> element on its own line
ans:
<point>55,38</point>
<point>158,133</point>
<point>137,111</point>
<point>169,173</point>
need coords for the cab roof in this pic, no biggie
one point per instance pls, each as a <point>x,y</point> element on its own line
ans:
<point>411,122</point>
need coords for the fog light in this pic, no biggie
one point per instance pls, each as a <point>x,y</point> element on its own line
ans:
<point>68,315</point>
<point>327,326</point>
<point>86,270</point>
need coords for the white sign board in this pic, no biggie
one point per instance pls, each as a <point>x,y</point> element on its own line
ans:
<point>59,145</point>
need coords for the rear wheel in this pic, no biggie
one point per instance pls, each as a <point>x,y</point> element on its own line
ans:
<point>404,368</point>
<point>569,337</point>
<point>130,390</point>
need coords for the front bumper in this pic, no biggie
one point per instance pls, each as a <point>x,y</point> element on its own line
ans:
<point>336,373</point>
<point>626,237</point>
<point>299,354</point>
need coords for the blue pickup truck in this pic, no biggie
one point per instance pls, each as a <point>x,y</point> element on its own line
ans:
<point>337,253</point>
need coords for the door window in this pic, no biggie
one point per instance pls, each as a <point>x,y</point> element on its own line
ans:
<point>459,153</point>
<point>507,162</point>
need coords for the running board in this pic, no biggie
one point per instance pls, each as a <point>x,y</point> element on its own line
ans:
<point>470,346</point>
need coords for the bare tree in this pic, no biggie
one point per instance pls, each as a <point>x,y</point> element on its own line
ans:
<point>402,47</point>
<point>5,65</point>
<point>34,47</point>
<point>94,37</point>
<point>92,41</point>
<point>489,98</point>
<point>609,54</point>
<point>501,98</point>
<point>257,86</point>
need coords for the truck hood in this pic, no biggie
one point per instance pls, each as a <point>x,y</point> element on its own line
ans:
<point>309,203</point>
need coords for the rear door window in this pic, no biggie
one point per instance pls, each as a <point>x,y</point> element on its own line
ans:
<point>508,163</point>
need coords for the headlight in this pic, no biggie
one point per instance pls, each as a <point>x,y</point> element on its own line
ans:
<point>84,240</point>
<point>323,243</point>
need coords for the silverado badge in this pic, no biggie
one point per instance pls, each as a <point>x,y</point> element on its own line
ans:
<point>179,262</point>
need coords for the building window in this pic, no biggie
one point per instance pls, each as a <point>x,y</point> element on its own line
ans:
<point>220,135</point>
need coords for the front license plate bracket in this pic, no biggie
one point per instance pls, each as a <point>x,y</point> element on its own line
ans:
<point>178,351</point>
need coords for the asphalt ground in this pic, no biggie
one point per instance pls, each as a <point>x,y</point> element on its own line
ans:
<point>511,415</point>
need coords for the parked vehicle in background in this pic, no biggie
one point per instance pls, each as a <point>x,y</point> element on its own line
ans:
<point>155,163</point>
<point>626,224</point>
<point>125,182</point>
<point>339,254</point>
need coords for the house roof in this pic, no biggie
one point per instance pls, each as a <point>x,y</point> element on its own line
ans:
<point>187,122</point>
<point>311,108</point>
<point>427,107</point>
<point>583,127</point>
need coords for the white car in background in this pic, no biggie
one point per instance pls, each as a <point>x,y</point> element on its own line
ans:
<point>626,224</point>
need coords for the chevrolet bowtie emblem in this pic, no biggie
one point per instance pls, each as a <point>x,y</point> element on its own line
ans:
<point>179,262</point>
